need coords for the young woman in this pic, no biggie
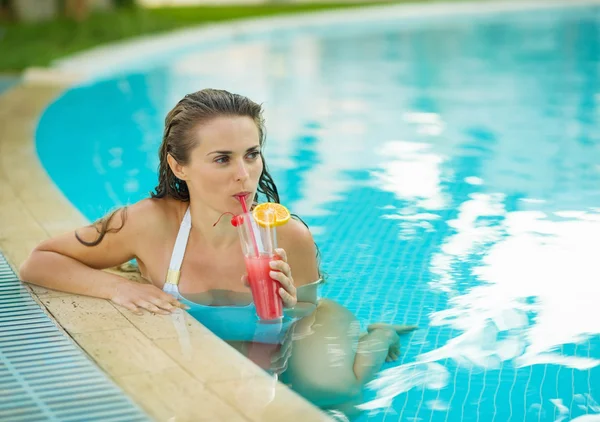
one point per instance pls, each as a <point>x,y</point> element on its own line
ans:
<point>211,155</point>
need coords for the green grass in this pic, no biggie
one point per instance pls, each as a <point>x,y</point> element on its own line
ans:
<point>25,45</point>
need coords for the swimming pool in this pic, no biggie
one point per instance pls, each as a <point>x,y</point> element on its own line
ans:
<point>449,169</point>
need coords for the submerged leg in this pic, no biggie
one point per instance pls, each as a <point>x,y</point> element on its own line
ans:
<point>331,360</point>
<point>375,348</point>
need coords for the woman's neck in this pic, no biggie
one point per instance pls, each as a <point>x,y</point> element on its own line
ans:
<point>212,226</point>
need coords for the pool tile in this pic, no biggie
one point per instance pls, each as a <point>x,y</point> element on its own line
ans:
<point>209,358</point>
<point>53,217</point>
<point>7,195</point>
<point>22,224</point>
<point>17,250</point>
<point>14,128</point>
<point>43,293</point>
<point>265,400</point>
<point>156,326</point>
<point>173,394</point>
<point>124,352</point>
<point>81,314</point>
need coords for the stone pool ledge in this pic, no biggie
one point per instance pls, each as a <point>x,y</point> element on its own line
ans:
<point>194,377</point>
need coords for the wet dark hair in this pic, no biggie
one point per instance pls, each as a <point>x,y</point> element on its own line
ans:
<point>178,141</point>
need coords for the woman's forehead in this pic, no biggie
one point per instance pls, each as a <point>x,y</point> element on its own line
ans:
<point>227,132</point>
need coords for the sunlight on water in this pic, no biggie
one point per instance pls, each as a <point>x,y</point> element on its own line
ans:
<point>539,291</point>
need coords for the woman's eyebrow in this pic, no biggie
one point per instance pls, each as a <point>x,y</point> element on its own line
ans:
<point>231,152</point>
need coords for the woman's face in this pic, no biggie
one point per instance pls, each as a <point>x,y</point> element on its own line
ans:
<point>225,162</point>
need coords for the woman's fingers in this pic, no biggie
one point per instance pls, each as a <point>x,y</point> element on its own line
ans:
<point>163,304</point>
<point>287,290</point>
<point>135,297</point>
<point>281,254</point>
<point>172,300</point>
<point>285,282</point>
<point>288,300</point>
<point>156,307</point>
<point>282,266</point>
<point>283,273</point>
<point>131,307</point>
<point>245,280</point>
<point>151,307</point>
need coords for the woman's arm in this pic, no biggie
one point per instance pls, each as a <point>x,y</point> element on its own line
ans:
<point>300,248</point>
<point>64,263</point>
<point>296,239</point>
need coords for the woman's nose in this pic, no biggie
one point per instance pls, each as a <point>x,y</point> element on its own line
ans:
<point>242,171</point>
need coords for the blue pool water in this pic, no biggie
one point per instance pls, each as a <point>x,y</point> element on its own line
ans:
<point>450,171</point>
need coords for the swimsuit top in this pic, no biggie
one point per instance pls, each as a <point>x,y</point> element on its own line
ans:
<point>231,322</point>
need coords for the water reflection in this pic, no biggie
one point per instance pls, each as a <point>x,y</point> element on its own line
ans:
<point>537,293</point>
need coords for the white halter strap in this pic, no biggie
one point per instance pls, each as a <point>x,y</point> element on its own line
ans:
<point>179,250</point>
<point>174,272</point>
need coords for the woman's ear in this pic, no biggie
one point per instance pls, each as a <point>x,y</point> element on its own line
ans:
<point>176,168</point>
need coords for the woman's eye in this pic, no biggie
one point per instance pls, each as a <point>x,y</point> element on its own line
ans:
<point>253,155</point>
<point>222,160</point>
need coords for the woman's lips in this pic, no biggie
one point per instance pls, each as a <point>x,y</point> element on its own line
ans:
<point>241,195</point>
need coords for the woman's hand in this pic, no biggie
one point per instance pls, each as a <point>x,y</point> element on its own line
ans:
<point>283,274</point>
<point>133,296</point>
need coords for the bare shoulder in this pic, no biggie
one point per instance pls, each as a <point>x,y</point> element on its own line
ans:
<point>131,220</point>
<point>155,218</point>
<point>297,241</point>
<point>118,237</point>
<point>295,235</point>
<point>151,211</point>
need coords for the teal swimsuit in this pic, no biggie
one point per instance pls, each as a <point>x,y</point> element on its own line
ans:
<point>238,323</point>
<point>231,323</point>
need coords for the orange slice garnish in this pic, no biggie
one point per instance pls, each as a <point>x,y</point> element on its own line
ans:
<point>271,214</point>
